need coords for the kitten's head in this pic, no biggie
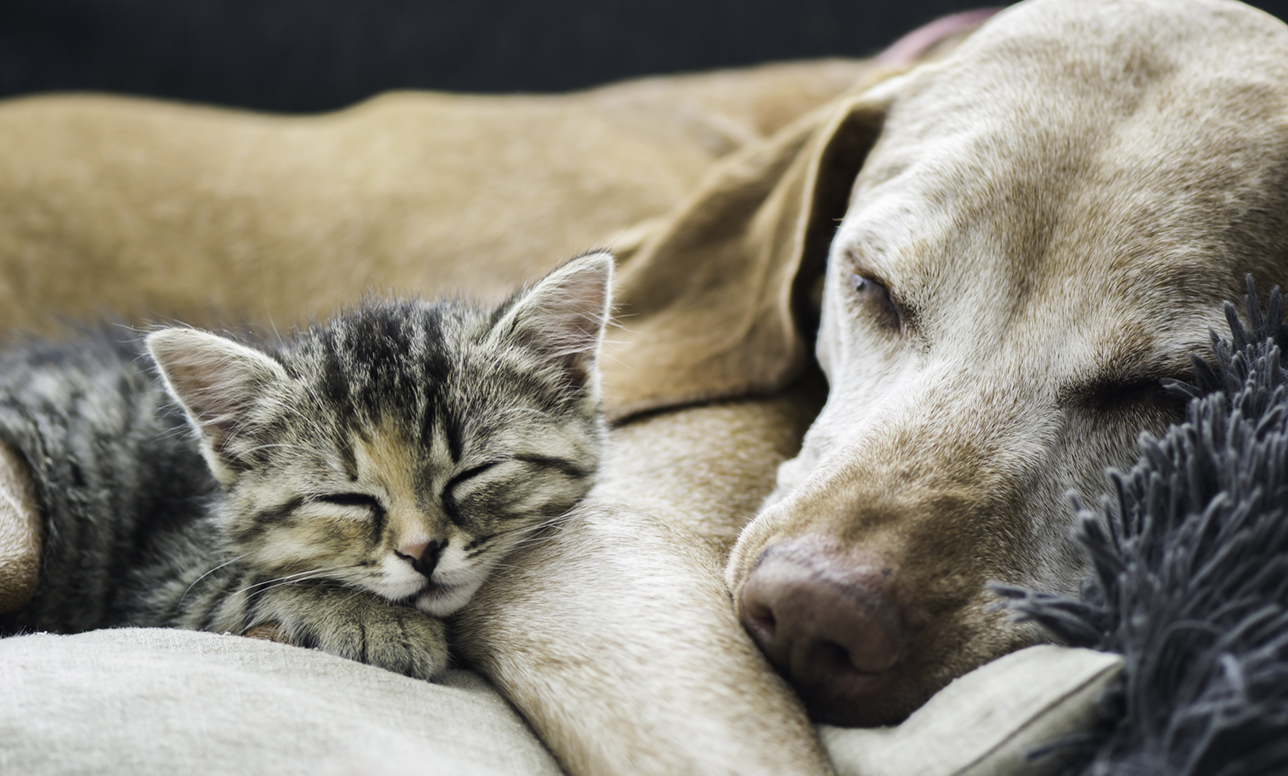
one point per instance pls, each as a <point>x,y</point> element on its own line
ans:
<point>405,447</point>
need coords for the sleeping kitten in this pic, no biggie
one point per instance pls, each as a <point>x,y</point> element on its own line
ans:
<point>353,484</point>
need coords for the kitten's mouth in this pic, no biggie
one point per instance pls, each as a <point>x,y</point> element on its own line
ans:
<point>428,591</point>
<point>434,591</point>
<point>440,600</point>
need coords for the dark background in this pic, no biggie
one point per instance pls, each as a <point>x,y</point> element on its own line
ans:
<point>309,55</point>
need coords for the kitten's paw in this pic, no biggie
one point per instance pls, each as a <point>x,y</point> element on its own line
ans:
<point>405,641</point>
<point>360,627</point>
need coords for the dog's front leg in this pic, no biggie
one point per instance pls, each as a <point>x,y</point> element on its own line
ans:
<point>615,635</point>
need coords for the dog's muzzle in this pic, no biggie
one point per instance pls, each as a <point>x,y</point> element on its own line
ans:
<point>830,626</point>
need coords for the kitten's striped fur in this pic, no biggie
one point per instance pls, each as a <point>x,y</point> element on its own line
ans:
<point>352,484</point>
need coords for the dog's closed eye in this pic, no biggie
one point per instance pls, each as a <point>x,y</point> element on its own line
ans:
<point>1112,396</point>
<point>875,298</point>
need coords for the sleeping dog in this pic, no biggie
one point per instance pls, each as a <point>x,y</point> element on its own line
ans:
<point>1043,231</point>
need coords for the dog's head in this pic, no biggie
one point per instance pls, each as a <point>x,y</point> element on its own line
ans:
<point>1043,228</point>
<point>1044,231</point>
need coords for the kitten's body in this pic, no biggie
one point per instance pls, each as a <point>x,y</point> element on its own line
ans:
<point>117,471</point>
<point>351,485</point>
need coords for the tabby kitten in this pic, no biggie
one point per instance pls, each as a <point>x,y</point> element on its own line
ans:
<point>354,484</point>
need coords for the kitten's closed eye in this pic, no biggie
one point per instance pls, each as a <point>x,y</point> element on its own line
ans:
<point>525,487</point>
<point>505,471</point>
<point>468,474</point>
<point>355,501</point>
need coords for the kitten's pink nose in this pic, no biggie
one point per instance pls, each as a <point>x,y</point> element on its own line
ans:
<point>423,556</point>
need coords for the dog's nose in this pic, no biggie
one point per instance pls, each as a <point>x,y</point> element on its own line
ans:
<point>423,555</point>
<point>831,628</point>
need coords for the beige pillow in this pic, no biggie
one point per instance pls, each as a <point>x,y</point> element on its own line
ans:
<point>146,701</point>
<point>986,721</point>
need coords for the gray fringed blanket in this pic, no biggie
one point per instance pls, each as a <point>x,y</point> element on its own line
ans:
<point>1190,579</point>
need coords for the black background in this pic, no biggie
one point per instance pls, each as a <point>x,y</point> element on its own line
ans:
<point>309,55</point>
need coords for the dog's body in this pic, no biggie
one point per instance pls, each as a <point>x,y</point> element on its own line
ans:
<point>142,208</point>
<point>1044,228</point>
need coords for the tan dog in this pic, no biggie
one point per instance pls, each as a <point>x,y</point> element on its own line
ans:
<point>1044,231</point>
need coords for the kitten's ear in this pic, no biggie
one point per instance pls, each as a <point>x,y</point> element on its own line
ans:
<point>563,316</point>
<point>217,381</point>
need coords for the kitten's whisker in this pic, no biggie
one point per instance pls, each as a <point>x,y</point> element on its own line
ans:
<point>278,581</point>
<point>266,587</point>
<point>532,536</point>
<point>203,576</point>
<point>290,579</point>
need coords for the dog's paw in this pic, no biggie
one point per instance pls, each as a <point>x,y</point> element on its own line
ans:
<point>360,626</point>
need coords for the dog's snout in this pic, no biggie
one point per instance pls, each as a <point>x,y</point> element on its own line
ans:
<point>832,628</point>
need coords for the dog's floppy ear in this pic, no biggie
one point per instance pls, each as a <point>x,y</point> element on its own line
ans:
<point>711,305</point>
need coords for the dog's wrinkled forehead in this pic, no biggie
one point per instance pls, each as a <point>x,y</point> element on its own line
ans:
<point>1131,142</point>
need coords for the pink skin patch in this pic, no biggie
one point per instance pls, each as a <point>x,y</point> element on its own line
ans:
<point>919,41</point>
